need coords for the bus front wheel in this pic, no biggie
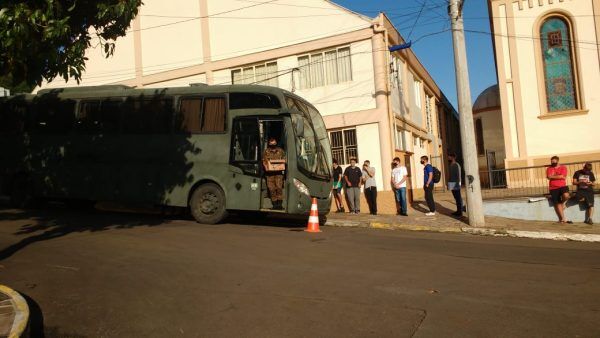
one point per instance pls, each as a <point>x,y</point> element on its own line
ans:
<point>207,204</point>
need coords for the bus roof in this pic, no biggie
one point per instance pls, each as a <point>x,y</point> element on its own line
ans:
<point>123,91</point>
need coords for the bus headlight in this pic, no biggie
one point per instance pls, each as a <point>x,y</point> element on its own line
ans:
<point>301,187</point>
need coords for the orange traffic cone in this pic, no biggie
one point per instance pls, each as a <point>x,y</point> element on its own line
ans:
<point>313,219</point>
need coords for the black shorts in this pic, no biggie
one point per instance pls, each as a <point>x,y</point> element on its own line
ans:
<point>586,196</point>
<point>556,194</point>
<point>335,191</point>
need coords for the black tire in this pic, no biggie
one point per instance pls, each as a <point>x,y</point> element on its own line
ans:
<point>21,193</point>
<point>207,204</point>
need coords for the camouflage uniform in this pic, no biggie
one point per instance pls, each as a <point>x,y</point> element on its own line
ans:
<point>274,178</point>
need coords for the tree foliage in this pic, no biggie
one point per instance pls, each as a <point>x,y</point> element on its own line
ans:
<point>44,39</point>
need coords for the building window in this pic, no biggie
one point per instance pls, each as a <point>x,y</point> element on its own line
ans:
<point>343,145</point>
<point>428,114</point>
<point>262,74</point>
<point>559,69</point>
<point>479,137</point>
<point>417,90</point>
<point>325,68</point>
<point>401,140</point>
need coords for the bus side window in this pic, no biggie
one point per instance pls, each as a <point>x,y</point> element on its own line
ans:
<point>110,116</point>
<point>190,110</point>
<point>88,117</point>
<point>245,145</point>
<point>12,117</point>
<point>54,116</point>
<point>147,116</point>
<point>214,115</point>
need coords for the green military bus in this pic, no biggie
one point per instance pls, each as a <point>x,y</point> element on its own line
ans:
<point>199,147</point>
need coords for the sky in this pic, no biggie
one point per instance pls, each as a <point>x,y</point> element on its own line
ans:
<point>435,51</point>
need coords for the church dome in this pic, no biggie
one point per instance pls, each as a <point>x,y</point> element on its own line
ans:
<point>488,99</point>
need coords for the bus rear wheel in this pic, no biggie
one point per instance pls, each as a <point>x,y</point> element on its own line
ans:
<point>207,204</point>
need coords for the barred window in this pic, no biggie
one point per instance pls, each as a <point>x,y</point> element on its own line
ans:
<point>428,114</point>
<point>325,68</point>
<point>262,74</point>
<point>343,145</point>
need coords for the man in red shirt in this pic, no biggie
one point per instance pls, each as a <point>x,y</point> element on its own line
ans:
<point>557,177</point>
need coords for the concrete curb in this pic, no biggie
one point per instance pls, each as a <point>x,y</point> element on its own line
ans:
<point>557,236</point>
<point>21,309</point>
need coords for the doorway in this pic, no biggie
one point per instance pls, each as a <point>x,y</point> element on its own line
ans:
<point>272,128</point>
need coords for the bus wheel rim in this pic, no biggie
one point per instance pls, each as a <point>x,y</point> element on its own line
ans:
<point>209,203</point>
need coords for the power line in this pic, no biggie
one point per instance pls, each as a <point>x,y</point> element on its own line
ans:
<point>203,17</point>
<point>416,20</point>
<point>160,67</point>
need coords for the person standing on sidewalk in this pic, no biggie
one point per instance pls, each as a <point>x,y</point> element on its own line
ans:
<point>584,179</point>
<point>454,183</point>
<point>337,186</point>
<point>370,186</point>
<point>399,179</point>
<point>428,185</point>
<point>352,178</point>
<point>559,192</point>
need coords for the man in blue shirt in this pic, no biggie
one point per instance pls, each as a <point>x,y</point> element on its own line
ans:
<point>428,185</point>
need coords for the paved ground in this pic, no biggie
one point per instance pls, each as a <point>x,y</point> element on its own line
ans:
<point>125,275</point>
<point>445,221</point>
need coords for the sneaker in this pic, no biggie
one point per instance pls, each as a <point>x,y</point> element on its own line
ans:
<point>403,214</point>
<point>430,214</point>
<point>589,221</point>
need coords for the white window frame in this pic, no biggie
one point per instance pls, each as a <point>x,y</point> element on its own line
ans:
<point>417,85</point>
<point>308,78</point>
<point>246,78</point>
<point>401,143</point>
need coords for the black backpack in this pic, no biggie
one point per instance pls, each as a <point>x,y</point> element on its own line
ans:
<point>437,175</point>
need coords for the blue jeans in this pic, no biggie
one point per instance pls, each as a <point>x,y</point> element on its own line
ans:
<point>401,198</point>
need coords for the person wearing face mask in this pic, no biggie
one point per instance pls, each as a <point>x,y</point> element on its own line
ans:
<point>559,192</point>
<point>353,178</point>
<point>337,186</point>
<point>454,183</point>
<point>584,179</point>
<point>428,185</point>
<point>274,177</point>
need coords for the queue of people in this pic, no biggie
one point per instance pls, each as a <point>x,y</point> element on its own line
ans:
<point>352,178</point>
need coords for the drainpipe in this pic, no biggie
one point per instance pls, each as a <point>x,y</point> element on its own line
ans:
<point>381,64</point>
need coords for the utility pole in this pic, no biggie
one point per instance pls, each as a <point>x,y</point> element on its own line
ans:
<point>465,109</point>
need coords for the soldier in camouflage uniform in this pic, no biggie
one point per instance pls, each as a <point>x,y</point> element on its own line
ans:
<point>274,178</point>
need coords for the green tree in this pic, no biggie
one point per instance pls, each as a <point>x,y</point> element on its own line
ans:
<point>44,39</point>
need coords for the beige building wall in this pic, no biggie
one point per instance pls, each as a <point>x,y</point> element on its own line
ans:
<point>532,134</point>
<point>170,37</point>
<point>273,25</point>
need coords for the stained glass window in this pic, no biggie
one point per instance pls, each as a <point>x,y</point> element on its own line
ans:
<point>558,65</point>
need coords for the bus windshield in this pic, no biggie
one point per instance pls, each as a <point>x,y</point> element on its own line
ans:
<point>312,143</point>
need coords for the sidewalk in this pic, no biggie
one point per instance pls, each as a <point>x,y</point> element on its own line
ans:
<point>14,313</point>
<point>444,222</point>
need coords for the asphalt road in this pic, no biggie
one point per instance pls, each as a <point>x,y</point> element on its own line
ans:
<point>102,274</point>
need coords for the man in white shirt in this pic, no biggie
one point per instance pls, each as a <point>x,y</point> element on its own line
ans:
<point>399,179</point>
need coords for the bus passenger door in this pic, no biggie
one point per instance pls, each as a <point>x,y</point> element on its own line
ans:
<point>243,185</point>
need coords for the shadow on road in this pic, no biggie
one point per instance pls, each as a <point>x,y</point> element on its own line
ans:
<point>55,222</point>
<point>58,221</point>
